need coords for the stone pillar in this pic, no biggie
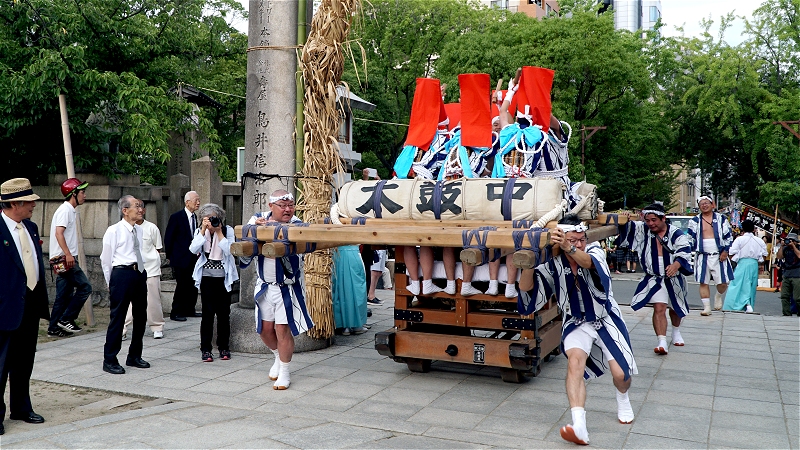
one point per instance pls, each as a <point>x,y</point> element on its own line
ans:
<point>206,181</point>
<point>179,185</point>
<point>269,142</point>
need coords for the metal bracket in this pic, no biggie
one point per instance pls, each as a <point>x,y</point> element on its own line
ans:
<point>478,353</point>
<point>512,323</point>
<point>519,356</point>
<point>400,268</point>
<point>384,343</point>
<point>408,315</point>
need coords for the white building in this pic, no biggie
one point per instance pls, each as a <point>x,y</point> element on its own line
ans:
<point>634,15</point>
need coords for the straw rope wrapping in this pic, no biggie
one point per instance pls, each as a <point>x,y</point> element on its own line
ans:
<point>322,61</point>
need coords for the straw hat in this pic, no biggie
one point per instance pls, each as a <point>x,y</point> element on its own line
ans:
<point>17,190</point>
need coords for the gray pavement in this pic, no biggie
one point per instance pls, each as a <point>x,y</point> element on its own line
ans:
<point>734,385</point>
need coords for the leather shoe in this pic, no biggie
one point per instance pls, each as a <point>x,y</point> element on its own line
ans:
<point>30,417</point>
<point>114,368</point>
<point>137,362</point>
<point>177,318</point>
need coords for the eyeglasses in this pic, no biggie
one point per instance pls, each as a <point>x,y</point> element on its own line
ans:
<point>289,206</point>
<point>575,241</point>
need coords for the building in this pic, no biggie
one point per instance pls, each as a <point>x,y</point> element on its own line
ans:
<point>532,8</point>
<point>634,15</point>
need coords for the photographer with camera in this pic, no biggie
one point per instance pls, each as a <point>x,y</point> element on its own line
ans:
<point>214,273</point>
<point>790,253</point>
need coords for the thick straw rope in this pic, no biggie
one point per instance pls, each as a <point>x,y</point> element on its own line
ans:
<point>322,61</point>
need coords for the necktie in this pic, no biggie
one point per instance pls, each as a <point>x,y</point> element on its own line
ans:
<point>27,257</point>
<point>139,261</point>
<point>194,224</point>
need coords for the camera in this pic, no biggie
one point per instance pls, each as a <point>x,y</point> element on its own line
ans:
<point>214,221</point>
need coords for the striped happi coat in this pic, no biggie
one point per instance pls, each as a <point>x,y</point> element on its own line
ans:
<point>554,162</point>
<point>586,299</point>
<point>724,239</point>
<point>641,239</point>
<point>270,279</point>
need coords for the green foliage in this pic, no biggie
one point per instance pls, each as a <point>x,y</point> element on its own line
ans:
<point>115,62</point>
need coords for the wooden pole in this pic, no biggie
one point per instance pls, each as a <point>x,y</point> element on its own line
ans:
<point>62,106</point>
<point>774,233</point>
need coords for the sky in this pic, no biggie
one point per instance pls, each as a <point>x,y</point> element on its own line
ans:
<point>686,13</point>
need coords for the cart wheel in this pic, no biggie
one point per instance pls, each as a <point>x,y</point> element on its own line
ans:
<point>418,365</point>
<point>537,370</point>
<point>511,375</point>
<point>552,354</point>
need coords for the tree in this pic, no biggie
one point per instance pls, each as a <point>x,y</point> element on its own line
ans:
<point>115,61</point>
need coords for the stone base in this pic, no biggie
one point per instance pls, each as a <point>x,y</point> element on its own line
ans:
<point>244,338</point>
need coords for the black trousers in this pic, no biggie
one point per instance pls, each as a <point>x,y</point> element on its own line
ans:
<point>216,302</point>
<point>17,353</point>
<point>128,287</point>
<point>184,301</point>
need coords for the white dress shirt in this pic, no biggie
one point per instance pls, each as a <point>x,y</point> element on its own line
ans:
<point>748,246</point>
<point>118,247</point>
<point>151,239</point>
<point>12,227</point>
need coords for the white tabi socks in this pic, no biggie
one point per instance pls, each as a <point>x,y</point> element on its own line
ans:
<point>413,287</point>
<point>283,377</point>
<point>273,371</point>
<point>451,287</point>
<point>429,288</point>
<point>717,301</point>
<point>511,291</point>
<point>661,349</point>
<point>493,287</point>
<point>624,409</point>
<point>677,339</point>
<point>706,307</point>
<point>576,433</point>
<point>467,289</point>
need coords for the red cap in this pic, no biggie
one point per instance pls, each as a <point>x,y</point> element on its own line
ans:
<point>476,119</point>
<point>534,89</point>
<point>427,111</point>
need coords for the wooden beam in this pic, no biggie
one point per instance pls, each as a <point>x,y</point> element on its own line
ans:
<point>526,259</point>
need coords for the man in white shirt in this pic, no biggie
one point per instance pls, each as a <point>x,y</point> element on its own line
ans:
<point>151,244</point>
<point>123,269</point>
<point>72,286</point>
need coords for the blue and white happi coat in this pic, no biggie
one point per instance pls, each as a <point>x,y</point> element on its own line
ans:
<point>554,162</point>
<point>429,163</point>
<point>463,162</point>
<point>271,276</point>
<point>583,297</point>
<point>722,236</point>
<point>676,248</point>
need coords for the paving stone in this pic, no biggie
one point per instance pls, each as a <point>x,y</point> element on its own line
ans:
<point>327,401</point>
<point>737,438</point>
<point>122,433</point>
<point>493,439</point>
<point>690,387</point>
<point>447,418</point>
<point>385,409</point>
<point>175,381</point>
<point>202,415</point>
<point>417,442</point>
<point>747,422</point>
<point>219,434</point>
<point>763,395</point>
<point>405,396</point>
<point>670,421</point>
<point>257,443</point>
<point>330,436</point>
<point>325,371</point>
<point>434,384</point>
<point>737,381</point>
<point>343,388</point>
<point>765,409</point>
<point>637,441</point>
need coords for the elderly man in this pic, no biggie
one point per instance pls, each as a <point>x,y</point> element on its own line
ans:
<point>23,298</point>
<point>280,301</point>
<point>666,255</point>
<point>124,271</point>
<point>594,336</point>
<point>180,231</point>
<point>711,238</point>
<point>72,286</point>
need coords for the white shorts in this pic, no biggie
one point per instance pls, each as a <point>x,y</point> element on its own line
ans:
<point>583,337</point>
<point>270,306</point>
<point>378,266</point>
<point>661,296</point>
<point>712,269</point>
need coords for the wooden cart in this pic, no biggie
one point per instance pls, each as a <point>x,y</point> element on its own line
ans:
<point>481,329</point>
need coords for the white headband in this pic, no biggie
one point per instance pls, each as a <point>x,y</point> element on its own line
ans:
<point>580,228</point>
<point>654,211</point>
<point>286,196</point>
<point>704,197</point>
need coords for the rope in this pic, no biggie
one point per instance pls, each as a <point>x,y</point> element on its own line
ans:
<point>335,214</point>
<point>274,47</point>
<point>554,214</point>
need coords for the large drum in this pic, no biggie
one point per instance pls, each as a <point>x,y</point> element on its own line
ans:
<point>461,199</point>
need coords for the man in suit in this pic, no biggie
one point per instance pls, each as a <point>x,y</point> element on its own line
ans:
<point>23,299</point>
<point>180,230</point>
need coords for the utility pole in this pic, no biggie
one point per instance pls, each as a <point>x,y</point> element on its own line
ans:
<point>585,138</point>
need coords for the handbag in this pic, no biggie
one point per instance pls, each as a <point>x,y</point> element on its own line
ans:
<point>59,264</point>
